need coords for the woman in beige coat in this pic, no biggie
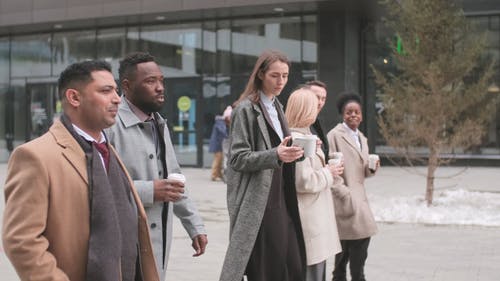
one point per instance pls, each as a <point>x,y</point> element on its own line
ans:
<point>313,180</point>
<point>355,220</point>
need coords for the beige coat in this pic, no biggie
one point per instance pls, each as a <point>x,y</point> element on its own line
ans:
<point>354,216</point>
<point>314,182</point>
<point>46,217</point>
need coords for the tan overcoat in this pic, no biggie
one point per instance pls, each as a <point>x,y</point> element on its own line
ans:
<point>46,218</point>
<point>354,216</point>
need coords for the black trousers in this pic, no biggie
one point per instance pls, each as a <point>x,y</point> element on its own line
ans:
<point>355,252</point>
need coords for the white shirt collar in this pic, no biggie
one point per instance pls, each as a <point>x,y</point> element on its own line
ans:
<point>266,100</point>
<point>354,135</point>
<point>351,131</point>
<point>87,136</point>
<point>273,113</point>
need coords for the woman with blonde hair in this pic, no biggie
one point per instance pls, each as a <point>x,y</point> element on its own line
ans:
<point>265,242</point>
<point>314,181</point>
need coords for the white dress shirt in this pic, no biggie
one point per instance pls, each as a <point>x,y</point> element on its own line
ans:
<point>354,135</point>
<point>273,113</point>
<point>89,138</point>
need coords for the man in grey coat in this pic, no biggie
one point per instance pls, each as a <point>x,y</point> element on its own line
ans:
<point>142,139</point>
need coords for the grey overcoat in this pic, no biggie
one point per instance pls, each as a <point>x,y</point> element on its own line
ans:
<point>134,143</point>
<point>251,164</point>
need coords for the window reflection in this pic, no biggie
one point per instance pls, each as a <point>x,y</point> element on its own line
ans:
<point>30,55</point>
<point>111,46</point>
<point>224,66</point>
<point>3,113</point>
<point>209,56</point>
<point>207,62</point>
<point>177,48</point>
<point>4,60</point>
<point>251,37</point>
<point>19,103</point>
<point>71,47</point>
<point>133,40</point>
<point>309,48</point>
<point>491,25</point>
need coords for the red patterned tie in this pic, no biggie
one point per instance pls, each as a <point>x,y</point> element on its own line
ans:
<point>104,151</point>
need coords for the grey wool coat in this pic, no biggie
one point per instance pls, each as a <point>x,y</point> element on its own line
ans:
<point>352,210</point>
<point>251,164</point>
<point>134,143</point>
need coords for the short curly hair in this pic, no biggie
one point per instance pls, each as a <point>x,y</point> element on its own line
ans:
<point>129,64</point>
<point>345,98</point>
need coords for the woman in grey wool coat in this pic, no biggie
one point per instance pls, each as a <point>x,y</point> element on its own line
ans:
<point>266,242</point>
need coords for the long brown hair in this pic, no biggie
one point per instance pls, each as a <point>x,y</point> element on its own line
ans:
<point>262,64</point>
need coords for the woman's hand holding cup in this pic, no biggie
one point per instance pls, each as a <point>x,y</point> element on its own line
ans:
<point>373,162</point>
<point>336,166</point>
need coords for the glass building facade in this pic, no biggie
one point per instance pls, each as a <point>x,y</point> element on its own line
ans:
<point>207,60</point>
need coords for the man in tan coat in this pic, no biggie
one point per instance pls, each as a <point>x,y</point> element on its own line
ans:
<point>71,212</point>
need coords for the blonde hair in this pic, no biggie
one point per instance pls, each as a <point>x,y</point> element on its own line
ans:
<point>301,108</point>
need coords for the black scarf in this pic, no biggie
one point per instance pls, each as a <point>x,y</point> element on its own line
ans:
<point>112,255</point>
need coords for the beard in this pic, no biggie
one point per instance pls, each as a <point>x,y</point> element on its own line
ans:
<point>149,106</point>
<point>146,100</point>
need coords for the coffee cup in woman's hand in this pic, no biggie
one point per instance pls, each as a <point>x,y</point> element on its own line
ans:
<point>336,166</point>
<point>335,161</point>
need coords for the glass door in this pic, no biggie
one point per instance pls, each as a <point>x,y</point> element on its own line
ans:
<point>42,106</point>
<point>182,113</point>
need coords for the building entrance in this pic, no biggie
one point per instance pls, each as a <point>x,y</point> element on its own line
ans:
<point>182,111</point>
<point>29,109</point>
<point>43,105</point>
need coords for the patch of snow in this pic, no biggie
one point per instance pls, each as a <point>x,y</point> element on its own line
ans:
<point>459,206</point>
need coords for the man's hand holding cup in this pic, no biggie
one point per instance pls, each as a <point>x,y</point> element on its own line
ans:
<point>170,189</point>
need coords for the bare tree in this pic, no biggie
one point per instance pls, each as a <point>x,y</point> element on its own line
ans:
<point>438,98</point>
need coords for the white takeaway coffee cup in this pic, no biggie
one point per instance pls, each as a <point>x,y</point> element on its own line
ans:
<point>308,143</point>
<point>337,155</point>
<point>335,161</point>
<point>372,161</point>
<point>177,177</point>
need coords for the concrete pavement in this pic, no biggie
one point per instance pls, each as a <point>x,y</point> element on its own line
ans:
<point>408,252</point>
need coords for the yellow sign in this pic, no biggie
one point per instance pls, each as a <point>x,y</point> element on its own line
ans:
<point>184,103</point>
<point>178,128</point>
